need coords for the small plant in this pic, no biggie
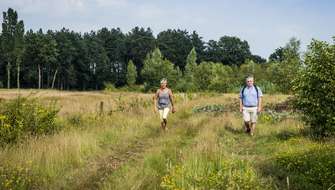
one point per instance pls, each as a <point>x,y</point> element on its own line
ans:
<point>19,177</point>
<point>285,106</point>
<point>21,116</point>
<point>109,87</point>
<point>270,116</point>
<point>205,174</point>
<point>209,108</point>
<point>76,120</point>
<point>277,112</point>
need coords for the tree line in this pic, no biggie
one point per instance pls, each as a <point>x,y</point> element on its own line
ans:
<point>66,59</point>
<point>109,58</point>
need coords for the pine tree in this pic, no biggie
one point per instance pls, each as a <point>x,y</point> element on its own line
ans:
<point>131,73</point>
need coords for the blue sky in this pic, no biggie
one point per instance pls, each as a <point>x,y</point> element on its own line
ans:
<point>265,24</point>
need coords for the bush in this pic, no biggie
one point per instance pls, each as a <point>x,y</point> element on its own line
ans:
<point>155,68</point>
<point>110,87</point>
<point>203,75</point>
<point>206,174</point>
<point>267,87</point>
<point>311,169</point>
<point>270,116</point>
<point>209,108</point>
<point>131,73</point>
<point>314,89</point>
<point>19,177</point>
<point>22,116</point>
<point>183,85</point>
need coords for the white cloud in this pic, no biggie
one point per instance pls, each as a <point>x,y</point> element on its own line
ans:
<point>54,7</point>
<point>112,3</point>
<point>149,12</point>
<point>266,25</point>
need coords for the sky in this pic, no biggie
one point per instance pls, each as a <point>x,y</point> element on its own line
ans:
<point>265,24</point>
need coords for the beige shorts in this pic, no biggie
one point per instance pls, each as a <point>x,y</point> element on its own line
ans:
<point>163,113</point>
<point>250,114</point>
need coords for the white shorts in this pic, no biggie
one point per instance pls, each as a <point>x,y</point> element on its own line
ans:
<point>163,113</point>
<point>250,114</point>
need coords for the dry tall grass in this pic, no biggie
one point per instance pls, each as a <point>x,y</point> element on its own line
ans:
<point>124,148</point>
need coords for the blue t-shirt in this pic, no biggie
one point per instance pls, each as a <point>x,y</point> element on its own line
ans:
<point>250,98</point>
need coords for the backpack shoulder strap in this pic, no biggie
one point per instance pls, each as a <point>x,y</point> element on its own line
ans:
<point>242,91</point>
<point>256,87</point>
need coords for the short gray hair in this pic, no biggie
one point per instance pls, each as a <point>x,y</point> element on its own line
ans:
<point>249,78</point>
<point>163,80</point>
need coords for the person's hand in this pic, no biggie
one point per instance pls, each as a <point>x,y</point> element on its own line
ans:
<point>259,110</point>
<point>241,109</point>
<point>173,110</point>
<point>155,109</point>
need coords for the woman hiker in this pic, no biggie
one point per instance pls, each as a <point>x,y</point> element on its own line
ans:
<point>163,100</point>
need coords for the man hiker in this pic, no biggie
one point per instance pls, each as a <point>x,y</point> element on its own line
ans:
<point>250,104</point>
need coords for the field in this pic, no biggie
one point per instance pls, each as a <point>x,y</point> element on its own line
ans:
<point>118,144</point>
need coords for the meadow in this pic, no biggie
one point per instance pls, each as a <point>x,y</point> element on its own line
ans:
<point>113,140</point>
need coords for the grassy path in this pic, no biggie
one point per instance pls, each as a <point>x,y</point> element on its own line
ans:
<point>146,171</point>
<point>128,150</point>
<point>217,149</point>
<point>136,150</point>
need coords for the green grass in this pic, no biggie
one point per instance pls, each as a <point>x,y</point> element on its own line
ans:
<point>126,149</point>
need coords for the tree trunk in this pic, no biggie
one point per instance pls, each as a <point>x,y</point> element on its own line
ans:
<point>42,77</point>
<point>39,76</point>
<point>8,75</point>
<point>48,77</point>
<point>18,74</point>
<point>54,78</point>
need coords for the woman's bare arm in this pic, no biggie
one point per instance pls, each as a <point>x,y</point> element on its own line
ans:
<point>171,100</point>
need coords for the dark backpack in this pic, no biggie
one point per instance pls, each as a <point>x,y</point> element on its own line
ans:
<point>245,87</point>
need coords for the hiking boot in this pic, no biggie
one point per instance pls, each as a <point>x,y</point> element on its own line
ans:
<point>247,130</point>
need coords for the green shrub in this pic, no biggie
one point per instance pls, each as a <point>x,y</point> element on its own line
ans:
<point>206,174</point>
<point>155,68</point>
<point>131,73</point>
<point>110,87</point>
<point>209,108</point>
<point>76,120</point>
<point>184,86</point>
<point>267,87</point>
<point>21,116</point>
<point>19,177</point>
<point>133,88</point>
<point>314,88</point>
<point>312,169</point>
<point>270,116</point>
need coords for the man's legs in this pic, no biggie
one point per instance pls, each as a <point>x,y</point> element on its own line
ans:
<point>252,129</point>
<point>246,118</point>
<point>247,126</point>
<point>253,121</point>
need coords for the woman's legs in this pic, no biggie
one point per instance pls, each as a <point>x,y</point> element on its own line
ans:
<point>163,113</point>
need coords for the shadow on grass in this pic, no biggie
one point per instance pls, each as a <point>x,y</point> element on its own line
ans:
<point>286,135</point>
<point>229,127</point>
<point>304,132</point>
